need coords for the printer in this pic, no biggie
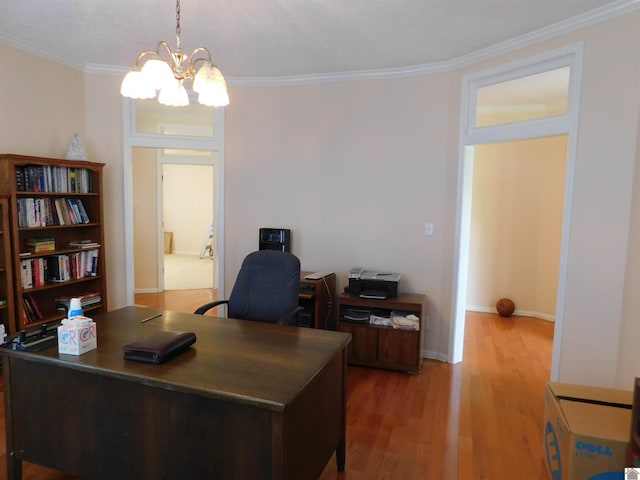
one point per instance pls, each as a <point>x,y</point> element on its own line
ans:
<point>370,284</point>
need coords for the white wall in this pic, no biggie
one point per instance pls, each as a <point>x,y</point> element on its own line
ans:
<point>356,169</point>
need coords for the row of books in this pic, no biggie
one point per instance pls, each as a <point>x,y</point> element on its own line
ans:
<point>42,212</point>
<point>33,313</point>
<point>36,272</point>
<point>51,178</point>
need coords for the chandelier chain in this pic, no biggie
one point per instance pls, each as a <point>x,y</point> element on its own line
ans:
<point>178,30</point>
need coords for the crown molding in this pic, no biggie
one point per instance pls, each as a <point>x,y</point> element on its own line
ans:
<point>43,53</point>
<point>592,17</point>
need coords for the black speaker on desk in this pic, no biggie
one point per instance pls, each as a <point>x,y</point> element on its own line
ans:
<point>275,239</point>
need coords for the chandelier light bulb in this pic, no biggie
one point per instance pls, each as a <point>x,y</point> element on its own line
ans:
<point>157,73</point>
<point>174,95</point>
<point>134,85</point>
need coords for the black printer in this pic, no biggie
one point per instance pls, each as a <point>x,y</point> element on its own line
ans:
<point>369,284</point>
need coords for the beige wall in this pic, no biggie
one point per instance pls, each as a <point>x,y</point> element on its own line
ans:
<point>516,225</point>
<point>145,220</point>
<point>41,105</point>
<point>356,169</point>
<point>188,205</point>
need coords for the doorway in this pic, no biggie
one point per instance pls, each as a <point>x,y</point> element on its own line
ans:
<point>156,134</point>
<point>174,197</point>
<point>530,113</point>
<point>516,225</point>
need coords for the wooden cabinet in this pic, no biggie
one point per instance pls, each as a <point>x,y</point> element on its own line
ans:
<point>57,235</point>
<point>318,300</point>
<point>383,346</point>
<point>6,276</point>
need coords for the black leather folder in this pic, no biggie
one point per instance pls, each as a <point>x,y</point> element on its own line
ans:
<point>158,347</point>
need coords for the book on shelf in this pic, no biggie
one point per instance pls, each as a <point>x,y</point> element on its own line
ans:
<point>83,244</point>
<point>86,300</point>
<point>41,244</point>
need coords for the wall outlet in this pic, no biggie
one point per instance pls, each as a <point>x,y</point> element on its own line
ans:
<point>429,229</point>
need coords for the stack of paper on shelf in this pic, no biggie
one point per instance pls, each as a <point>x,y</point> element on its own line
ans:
<point>405,320</point>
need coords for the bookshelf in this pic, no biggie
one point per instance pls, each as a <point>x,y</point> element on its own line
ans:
<point>6,275</point>
<point>57,235</point>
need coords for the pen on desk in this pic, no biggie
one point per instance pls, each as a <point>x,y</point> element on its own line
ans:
<point>150,318</point>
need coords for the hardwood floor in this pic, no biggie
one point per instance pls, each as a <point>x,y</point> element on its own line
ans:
<point>178,300</point>
<point>481,418</point>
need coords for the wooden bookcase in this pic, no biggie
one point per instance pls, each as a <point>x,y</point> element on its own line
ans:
<point>6,275</point>
<point>381,346</point>
<point>39,189</point>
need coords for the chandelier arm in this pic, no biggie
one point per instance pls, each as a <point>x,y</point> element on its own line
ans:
<point>193,59</point>
<point>167,47</point>
<point>144,54</point>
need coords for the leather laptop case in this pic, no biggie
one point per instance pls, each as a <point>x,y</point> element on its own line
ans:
<point>158,347</point>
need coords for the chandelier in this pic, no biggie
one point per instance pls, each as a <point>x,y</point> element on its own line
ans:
<point>165,77</point>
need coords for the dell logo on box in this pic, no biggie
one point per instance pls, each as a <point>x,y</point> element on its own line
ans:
<point>553,452</point>
<point>593,448</point>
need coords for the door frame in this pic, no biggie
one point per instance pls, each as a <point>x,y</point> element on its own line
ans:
<point>132,139</point>
<point>470,135</point>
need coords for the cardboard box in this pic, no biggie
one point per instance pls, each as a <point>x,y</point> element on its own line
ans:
<point>586,431</point>
<point>77,340</point>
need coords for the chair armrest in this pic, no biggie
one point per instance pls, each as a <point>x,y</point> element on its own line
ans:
<point>290,317</point>
<point>208,306</point>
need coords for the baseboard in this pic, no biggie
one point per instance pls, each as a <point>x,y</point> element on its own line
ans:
<point>182,252</point>
<point>431,355</point>
<point>519,313</point>
<point>146,290</point>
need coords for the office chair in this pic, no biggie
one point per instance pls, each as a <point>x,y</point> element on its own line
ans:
<point>266,289</point>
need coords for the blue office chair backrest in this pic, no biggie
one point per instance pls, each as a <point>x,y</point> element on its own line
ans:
<point>267,286</point>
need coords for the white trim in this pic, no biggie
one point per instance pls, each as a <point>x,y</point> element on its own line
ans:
<point>159,220</point>
<point>592,17</point>
<point>133,139</point>
<point>469,136</point>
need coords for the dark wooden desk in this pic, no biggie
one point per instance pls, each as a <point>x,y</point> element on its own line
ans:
<point>248,400</point>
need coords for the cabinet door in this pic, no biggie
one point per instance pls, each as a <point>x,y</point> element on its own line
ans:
<point>364,343</point>
<point>399,348</point>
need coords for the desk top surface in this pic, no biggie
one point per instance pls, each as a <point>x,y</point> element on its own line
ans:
<point>233,360</point>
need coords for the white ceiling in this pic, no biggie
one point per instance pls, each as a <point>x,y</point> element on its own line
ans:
<point>283,38</point>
